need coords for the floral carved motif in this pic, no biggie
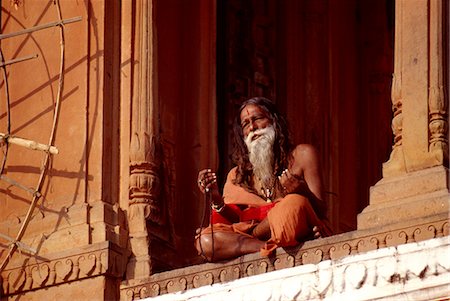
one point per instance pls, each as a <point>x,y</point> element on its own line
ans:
<point>144,174</point>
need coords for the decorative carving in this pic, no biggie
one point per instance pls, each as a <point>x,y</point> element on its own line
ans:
<point>438,121</point>
<point>284,262</point>
<point>394,240</point>
<point>263,267</point>
<point>155,290</point>
<point>381,275</point>
<point>61,270</point>
<point>339,251</point>
<point>129,295</point>
<point>437,104</point>
<point>397,102</point>
<point>396,163</point>
<point>424,234</point>
<point>145,181</point>
<point>201,280</point>
<point>313,256</point>
<point>250,269</point>
<point>229,274</point>
<point>145,158</point>
<point>354,277</point>
<point>147,176</point>
<point>143,292</point>
<point>177,285</point>
<point>365,245</point>
<point>446,229</point>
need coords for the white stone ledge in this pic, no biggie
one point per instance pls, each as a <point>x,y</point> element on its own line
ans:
<point>414,271</point>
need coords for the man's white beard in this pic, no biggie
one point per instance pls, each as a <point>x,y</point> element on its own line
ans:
<point>260,153</point>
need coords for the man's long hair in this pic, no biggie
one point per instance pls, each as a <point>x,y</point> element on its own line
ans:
<point>281,148</point>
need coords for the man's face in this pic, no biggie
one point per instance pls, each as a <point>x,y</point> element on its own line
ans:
<point>252,119</point>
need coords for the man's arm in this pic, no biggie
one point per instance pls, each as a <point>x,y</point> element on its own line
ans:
<point>306,163</point>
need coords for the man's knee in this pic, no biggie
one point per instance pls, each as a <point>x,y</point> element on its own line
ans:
<point>295,202</point>
<point>203,244</point>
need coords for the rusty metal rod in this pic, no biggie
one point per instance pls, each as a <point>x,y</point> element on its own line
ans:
<point>18,60</point>
<point>17,184</point>
<point>39,27</point>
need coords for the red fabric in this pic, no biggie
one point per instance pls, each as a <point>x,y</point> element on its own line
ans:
<point>256,213</point>
<point>217,218</point>
<point>249,214</point>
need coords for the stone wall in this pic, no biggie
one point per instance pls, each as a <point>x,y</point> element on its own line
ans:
<point>60,216</point>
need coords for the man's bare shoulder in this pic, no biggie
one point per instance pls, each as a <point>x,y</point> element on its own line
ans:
<point>304,157</point>
<point>232,174</point>
<point>304,151</point>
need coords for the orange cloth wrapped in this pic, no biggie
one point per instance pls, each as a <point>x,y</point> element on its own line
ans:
<point>290,219</point>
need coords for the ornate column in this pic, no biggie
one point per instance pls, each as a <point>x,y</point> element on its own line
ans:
<point>415,179</point>
<point>144,183</point>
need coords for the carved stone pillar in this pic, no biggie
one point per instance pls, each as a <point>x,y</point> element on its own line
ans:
<point>144,187</point>
<point>415,179</point>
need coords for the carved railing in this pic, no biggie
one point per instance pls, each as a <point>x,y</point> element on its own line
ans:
<point>311,252</point>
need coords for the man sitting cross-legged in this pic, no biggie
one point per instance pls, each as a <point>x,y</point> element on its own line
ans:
<point>272,198</point>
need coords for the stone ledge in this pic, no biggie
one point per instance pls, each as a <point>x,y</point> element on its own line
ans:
<point>103,258</point>
<point>415,271</point>
<point>311,252</point>
<point>406,197</point>
<point>416,184</point>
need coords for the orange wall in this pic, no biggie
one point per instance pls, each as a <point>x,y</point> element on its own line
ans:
<point>86,165</point>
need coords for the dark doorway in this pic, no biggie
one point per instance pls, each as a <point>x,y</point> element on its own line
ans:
<point>328,66</point>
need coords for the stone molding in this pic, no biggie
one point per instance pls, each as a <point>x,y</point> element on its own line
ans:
<point>418,271</point>
<point>311,252</point>
<point>413,195</point>
<point>101,259</point>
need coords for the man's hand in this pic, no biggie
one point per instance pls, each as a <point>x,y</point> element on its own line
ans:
<point>290,182</point>
<point>207,182</point>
